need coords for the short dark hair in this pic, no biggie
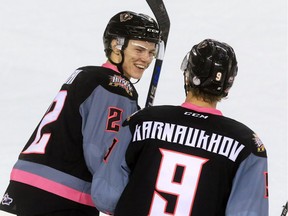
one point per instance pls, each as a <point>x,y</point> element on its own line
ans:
<point>207,97</point>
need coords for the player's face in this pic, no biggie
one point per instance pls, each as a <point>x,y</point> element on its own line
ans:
<point>137,57</point>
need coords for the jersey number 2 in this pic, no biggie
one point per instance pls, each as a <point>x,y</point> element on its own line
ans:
<point>183,187</point>
<point>39,144</point>
<point>114,117</point>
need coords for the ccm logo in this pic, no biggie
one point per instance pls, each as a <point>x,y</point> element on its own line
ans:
<point>197,115</point>
<point>152,30</point>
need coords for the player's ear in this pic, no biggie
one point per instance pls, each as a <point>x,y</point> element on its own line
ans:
<point>115,47</point>
<point>115,54</point>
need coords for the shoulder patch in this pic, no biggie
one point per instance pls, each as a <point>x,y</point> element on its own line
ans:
<point>259,145</point>
<point>118,81</point>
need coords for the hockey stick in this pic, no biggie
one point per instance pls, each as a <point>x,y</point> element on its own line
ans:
<point>285,209</point>
<point>159,11</point>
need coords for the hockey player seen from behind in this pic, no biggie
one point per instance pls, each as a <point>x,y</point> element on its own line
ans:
<point>54,173</point>
<point>190,159</point>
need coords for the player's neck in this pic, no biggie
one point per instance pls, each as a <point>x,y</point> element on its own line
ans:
<point>199,101</point>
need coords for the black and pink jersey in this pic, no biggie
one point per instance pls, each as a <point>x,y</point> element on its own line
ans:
<point>71,140</point>
<point>187,160</point>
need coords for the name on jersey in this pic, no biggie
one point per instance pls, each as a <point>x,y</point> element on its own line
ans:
<point>188,136</point>
<point>119,81</point>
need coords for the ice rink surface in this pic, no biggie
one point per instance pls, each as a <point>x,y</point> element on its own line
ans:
<point>43,42</point>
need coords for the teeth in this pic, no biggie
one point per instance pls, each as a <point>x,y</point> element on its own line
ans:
<point>140,66</point>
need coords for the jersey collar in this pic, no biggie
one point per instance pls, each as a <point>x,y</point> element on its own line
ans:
<point>201,109</point>
<point>110,66</point>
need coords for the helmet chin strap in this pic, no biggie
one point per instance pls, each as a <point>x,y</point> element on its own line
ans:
<point>136,82</point>
<point>122,43</point>
<point>120,68</point>
<point>118,65</point>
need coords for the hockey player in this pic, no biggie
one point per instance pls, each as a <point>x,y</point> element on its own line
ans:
<point>190,159</point>
<point>54,172</point>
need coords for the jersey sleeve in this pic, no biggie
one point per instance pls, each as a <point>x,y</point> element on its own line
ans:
<point>102,113</point>
<point>104,148</point>
<point>112,176</point>
<point>249,195</point>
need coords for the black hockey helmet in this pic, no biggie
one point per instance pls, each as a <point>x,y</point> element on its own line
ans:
<point>131,25</point>
<point>210,66</point>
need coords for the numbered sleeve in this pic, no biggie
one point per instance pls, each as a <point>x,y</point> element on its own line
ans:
<point>105,143</point>
<point>96,139</point>
<point>249,196</point>
<point>112,176</point>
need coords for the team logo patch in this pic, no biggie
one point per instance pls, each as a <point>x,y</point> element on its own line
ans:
<point>118,81</point>
<point>258,143</point>
<point>125,17</point>
<point>6,200</point>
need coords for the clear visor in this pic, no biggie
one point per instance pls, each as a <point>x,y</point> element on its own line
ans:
<point>158,53</point>
<point>146,48</point>
<point>184,63</point>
